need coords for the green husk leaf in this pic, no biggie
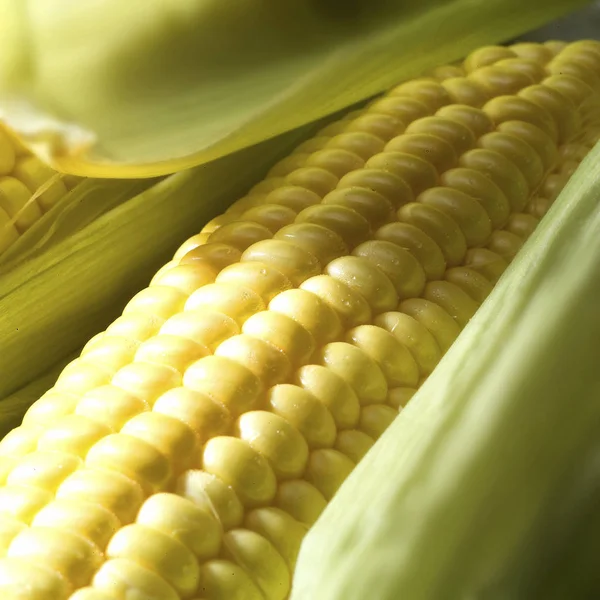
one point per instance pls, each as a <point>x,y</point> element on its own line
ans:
<point>470,493</point>
<point>87,201</point>
<point>146,87</point>
<point>53,302</point>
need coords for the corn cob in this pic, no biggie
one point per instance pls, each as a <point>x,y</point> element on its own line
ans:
<point>28,189</point>
<point>190,447</point>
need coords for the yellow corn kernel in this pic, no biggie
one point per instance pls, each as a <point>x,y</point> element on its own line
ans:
<point>307,414</point>
<point>170,350</point>
<point>418,173</point>
<point>503,172</point>
<point>415,336</point>
<point>393,358</point>
<point>518,152</point>
<point>159,300</point>
<point>351,306</point>
<point>44,470</point>
<point>263,279</point>
<point>375,419</point>
<point>192,525</point>
<point>284,532</point>
<point>9,528</point>
<point>20,440</point>
<point>171,437</point>
<point>401,268</point>
<point>475,119</point>
<point>452,299</point>
<point>158,552</point>
<point>72,434</point>
<point>23,502</point>
<point>39,582</point>
<point>465,211</point>
<point>327,468</point>
<point>203,415</point>
<point>186,278</point>
<point>277,440</point>
<point>315,179</point>
<point>500,79</point>
<point>233,301</point>
<point>80,376</point>
<point>110,351</point>
<point>223,580</point>
<point>300,499</point>
<point>466,91</point>
<point>355,366</point>
<point>486,55</point>
<point>475,184</point>
<point>146,381</point>
<point>490,264</point>
<point>110,406</point>
<point>116,492</point>
<point>441,325</point>
<point>427,91</point>
<point>212,494</point>
<point>353,443</point>
<point>514,108</point>
<point>390,186</point>
<point>416,242</point>
<point>372,205</point>
<point>335,160</point>
<point>522,225</point>
<point>242,234</point>
<point>260,559</point>
<point>271,217</point>
<point>531,51</point>
<point>352,227</point>
<point>430,148</point>
<point>239,465</point>
<point>86,519</point>
<point>67,554</point>
<point>333,391</point>
<point>130,456</point>
<point>135,326</point>
<point>440,227</point>
<point>399,397</point>
<point>363,277</point>
<point>381,125</point>
<point>268,363</point>
<point>123,579</point>
<point>403,108</point>
<point>505,244</point>
<point>238,392</point>
<point>361,143</point>
<point>205,327</point>
<point>474,284</point>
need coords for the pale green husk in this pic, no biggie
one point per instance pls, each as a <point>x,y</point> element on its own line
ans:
<point>484,479</point>
<point>139,88</point>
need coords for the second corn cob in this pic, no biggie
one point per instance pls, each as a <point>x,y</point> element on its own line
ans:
<point>28,189</point>
<point>187,451</point>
